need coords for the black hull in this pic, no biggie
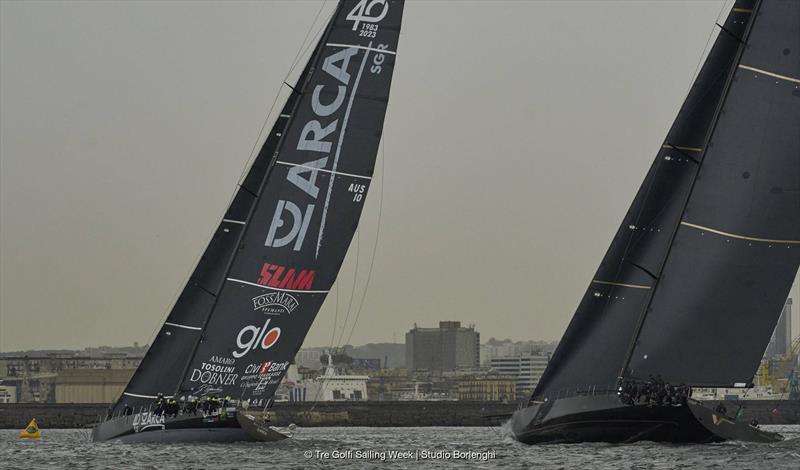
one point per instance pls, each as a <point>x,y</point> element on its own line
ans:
<point>606,419</point>
<point>231,426</point>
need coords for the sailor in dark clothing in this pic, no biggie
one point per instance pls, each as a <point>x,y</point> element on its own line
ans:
<point>754,423</point>
<point>191,405</point>
<point>127,410</point>
<point>160,404</point>
<point>721,409</point>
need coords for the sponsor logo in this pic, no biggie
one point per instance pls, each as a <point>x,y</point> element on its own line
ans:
<point>370,11</point>
<point>273,275</point>
<point>217,371</point>
<point>317,142</point>
<point>251,338</point>
<point>259,376</point>
<point>145,420</point>
<point>266,367</point>
<point>275,303</point>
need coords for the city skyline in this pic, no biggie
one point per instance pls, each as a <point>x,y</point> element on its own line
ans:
<point>125,127</point>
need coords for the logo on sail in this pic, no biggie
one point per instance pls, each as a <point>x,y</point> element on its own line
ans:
<point>317,145</point>
<point>251,338</point>
<point>273,275</point>
<point>275,303</point>
<point>366,10</point>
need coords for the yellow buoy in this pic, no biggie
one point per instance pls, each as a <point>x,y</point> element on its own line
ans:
<point>31,431</point>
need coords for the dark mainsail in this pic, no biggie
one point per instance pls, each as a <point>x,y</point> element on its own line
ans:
<point>737,248</point>
<point>696,303</point>
<point>264,275</point>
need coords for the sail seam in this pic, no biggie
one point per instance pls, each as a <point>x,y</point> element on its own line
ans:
<point>619,284</point>
<point>740,237</point>
<point>183,326</point>
<point>770,74</point>
<point>366,48</point>
<point>333,172</point>
<point>277,288</point>
<point>145,396</point>
<point>678,147</point>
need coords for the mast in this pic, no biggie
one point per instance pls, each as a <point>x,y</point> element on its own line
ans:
<point>743,43</point>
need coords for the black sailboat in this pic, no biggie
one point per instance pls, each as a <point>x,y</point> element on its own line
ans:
<point>263,277</point>
<point>695,279</point>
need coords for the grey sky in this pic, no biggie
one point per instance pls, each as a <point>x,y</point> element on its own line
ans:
<point>517,134</point>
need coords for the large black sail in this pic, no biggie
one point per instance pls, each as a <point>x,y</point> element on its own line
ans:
<point>161,369</point>
<point>737,249</point>
<point>307,210</point>
<point>597,341</point>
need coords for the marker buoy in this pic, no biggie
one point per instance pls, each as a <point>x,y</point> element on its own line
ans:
<point>31,431</point>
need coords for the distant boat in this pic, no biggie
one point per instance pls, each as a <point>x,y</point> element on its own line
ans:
<point>253,296</point>
<point>696,277</point>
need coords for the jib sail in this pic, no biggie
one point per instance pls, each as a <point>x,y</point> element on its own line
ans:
<point>599,340</point>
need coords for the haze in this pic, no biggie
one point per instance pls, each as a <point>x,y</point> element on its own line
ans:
<point>516,137</point>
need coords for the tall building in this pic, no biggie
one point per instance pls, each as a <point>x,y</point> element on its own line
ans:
<point>526,369</point>
<point>447,348</point>
<point>781,341</point>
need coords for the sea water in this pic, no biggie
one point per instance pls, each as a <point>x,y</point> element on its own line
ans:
<point>360,447</point>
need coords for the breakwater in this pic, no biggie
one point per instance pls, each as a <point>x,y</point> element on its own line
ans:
<point>370,413</point>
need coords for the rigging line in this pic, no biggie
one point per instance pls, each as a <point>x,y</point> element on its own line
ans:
<point>705,48</point>
<point>353,290</point>
<point>377,237</point>
<point>301,50</point>
<point>336,316</point>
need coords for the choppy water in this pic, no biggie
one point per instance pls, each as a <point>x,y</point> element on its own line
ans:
<point>71,448</point>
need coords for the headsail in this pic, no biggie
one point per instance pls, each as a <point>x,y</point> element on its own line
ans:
<point>263,278</point>
<point>598,341</point>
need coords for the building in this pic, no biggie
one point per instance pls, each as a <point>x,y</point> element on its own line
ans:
<point>8,394</point>
<point>91,385</point>
<point>446,348</point>
<point>34,376</point>
<point>781,341</point>
<point>487,388</point>
<point>526,370</point>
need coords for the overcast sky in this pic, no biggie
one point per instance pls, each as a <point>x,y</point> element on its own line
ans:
<point>516,137</point>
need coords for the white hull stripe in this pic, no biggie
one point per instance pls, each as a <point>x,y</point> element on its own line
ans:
<point>231,221</point>
<point>632,286</point>
<point>325,171</point>
<point>284,115</point>
<point>366,48</point>
<point>183,326</point>
<point>144,396</point>
<point>275,288</point>
<point>769,74</point>
<point>741,237</point>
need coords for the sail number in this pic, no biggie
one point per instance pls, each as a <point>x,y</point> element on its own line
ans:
<point>358,191</point>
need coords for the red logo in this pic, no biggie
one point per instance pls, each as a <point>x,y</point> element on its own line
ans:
<point>273,275</point>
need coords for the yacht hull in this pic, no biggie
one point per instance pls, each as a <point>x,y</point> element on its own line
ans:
<point>607,419</point>
<point>231,426</point>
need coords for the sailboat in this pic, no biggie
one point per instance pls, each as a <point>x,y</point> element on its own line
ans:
<point>695,278</point>
<point>250,301</point>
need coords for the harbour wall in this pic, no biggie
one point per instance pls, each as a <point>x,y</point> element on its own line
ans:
<point>371,413</point>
